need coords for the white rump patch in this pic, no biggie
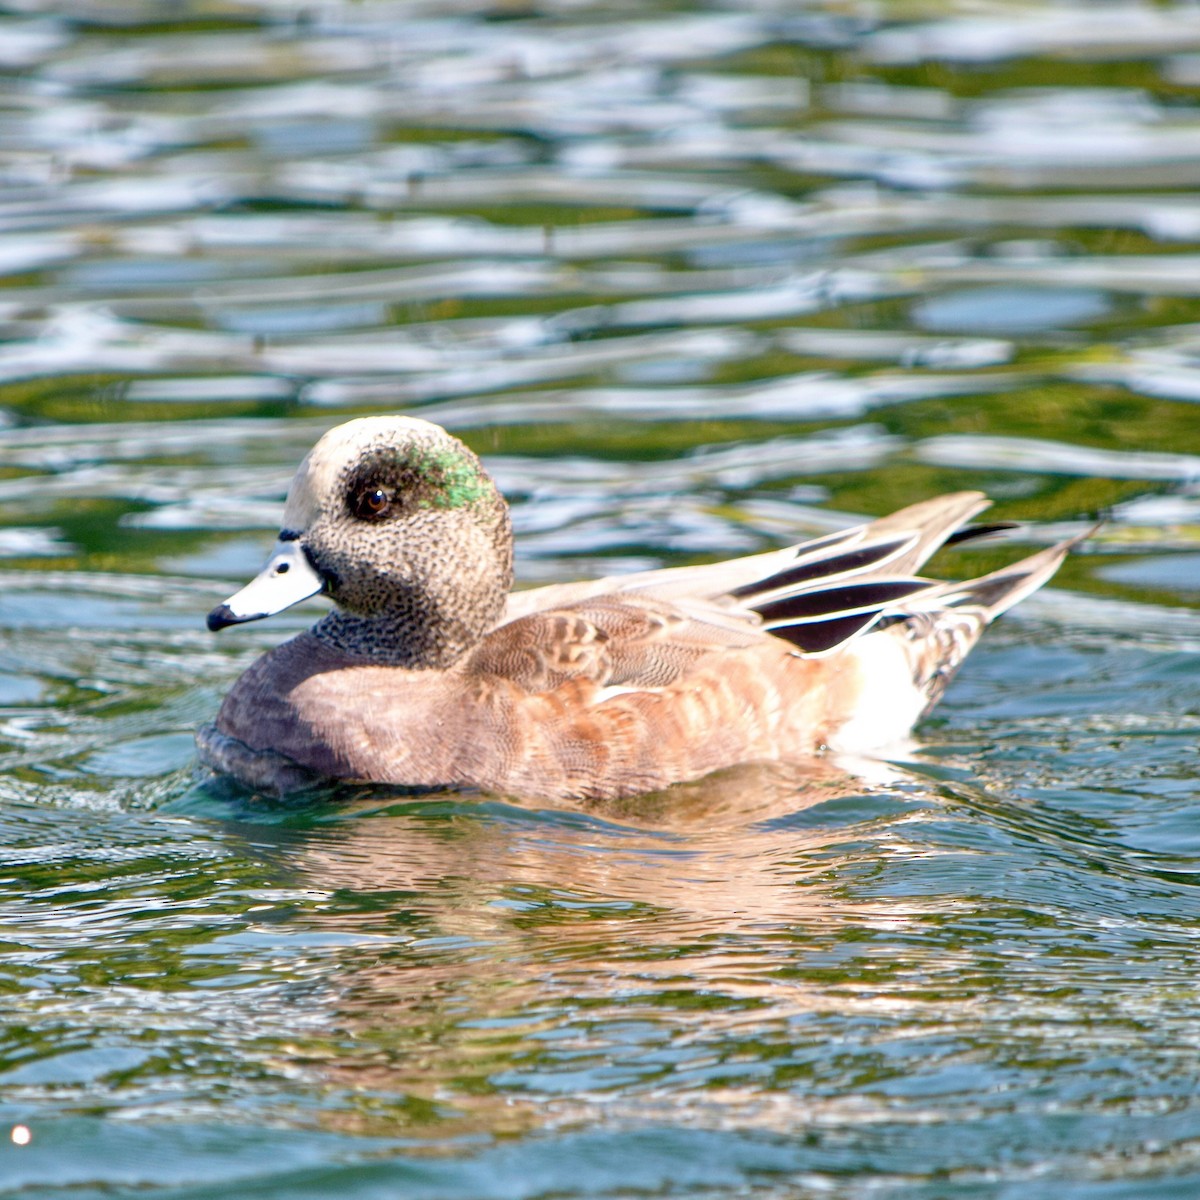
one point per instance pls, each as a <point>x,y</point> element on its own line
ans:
<point>890,703</point>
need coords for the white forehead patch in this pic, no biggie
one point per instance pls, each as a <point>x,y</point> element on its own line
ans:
<point>316,478</point>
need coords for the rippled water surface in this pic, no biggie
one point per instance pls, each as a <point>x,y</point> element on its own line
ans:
<point>695,281</point>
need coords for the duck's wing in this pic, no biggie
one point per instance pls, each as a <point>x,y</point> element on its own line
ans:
<point>614,640</point>
<point>825,596</point>
<point>898,544</point>
<point>815,595</point>
<point>822,599</point>
<point>647,630</point>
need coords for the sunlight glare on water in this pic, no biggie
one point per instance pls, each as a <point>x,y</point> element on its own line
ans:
<point>695,282</point>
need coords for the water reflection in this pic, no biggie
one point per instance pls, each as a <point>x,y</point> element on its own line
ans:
<point>496,953</point>
<point>663,851</point>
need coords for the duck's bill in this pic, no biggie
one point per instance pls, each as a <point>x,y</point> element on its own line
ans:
<point>287,579</point>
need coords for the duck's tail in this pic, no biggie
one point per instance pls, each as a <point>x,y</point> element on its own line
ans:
<point>916,647</point>
<point>947,622</point>
<point>997,592</point>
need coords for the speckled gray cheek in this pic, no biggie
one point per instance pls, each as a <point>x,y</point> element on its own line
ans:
<point>422,586</point>
<point>420,591</point>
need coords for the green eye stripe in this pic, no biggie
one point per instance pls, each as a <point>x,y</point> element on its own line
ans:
<point>419,477</point>
<point>456,481</point>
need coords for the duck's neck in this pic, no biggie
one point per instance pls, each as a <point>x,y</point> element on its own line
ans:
<point>397,640</point>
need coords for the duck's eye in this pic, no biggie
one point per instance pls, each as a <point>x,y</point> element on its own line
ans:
<point>371,502</point>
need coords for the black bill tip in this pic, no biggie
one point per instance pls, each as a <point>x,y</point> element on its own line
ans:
<point>223,615</point>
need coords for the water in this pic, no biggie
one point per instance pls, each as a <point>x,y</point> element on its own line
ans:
<point>696,282</point>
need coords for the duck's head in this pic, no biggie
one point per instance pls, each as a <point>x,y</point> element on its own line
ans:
<point>398,523</point>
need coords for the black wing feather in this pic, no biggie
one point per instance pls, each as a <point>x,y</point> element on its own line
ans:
<point>841,600</point>
<point>818,636</point>
<point>858,559</point>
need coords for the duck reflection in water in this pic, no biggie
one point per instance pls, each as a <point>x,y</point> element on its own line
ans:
<point>480,941</point>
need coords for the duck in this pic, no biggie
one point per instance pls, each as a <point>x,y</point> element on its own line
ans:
<point>430,672</point>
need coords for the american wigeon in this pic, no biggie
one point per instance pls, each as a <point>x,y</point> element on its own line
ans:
<point>429,672</point>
